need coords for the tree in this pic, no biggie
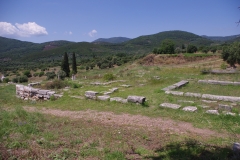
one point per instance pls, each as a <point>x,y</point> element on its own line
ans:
<point>191,48</point>
<point>167,47</point>
<point>61,74</point>
<point>74,65</point>
<point>65,65</point>
<point>231,54</point>
<point>27,73</point>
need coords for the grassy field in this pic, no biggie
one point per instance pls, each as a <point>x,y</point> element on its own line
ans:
<point>35,135</point>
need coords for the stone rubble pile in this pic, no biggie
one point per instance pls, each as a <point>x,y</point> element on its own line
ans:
<point>30,93</point>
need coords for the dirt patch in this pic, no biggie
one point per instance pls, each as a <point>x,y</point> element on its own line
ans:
<point>127,120</point>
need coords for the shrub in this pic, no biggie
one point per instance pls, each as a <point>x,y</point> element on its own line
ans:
<point>15,80</point>
<point>22,79</point>
<point>27,73</point>
<point>108,77</point>
<point>6,80</point>
<point>61,74</point>
<point>74,85</point>
<point>50,75</point>
<point>41,74</point>
<point>56,84</point>
<point>223,66</point>
<point>36,74</point>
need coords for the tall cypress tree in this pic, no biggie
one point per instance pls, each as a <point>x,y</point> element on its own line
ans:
<point>65,65</point>
<point>74,65</point>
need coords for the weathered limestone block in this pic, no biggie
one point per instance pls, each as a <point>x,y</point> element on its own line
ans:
<point>176,93</point>
<point>228,113</point>
<point>236,149</point>
<point>126,85</point>
<point>221,98</point>
<point>50,93</point>
<point>34,90</point>
<point>185,101</point>
<point>113,89</point>
<point>103,98</point>
<point>181,83</point>
<point>107,93</point>
<point>236,83</point>
<point>43,92</point>
<point>190,109</point>
<point>169,88</point>
<point>170,105</point>
<point>189,94</point>
<point>136,99</point>
<point>212,112</point>
<point>91,94</point>
<point>118,99</point>
<point>206,101</point>
<point>224,107</point>
<point>34,84</point>
<point>57,95</point>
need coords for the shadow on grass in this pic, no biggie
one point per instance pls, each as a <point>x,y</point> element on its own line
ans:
<point>191,149</point>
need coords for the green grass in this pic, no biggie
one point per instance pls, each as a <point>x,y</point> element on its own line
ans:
<point>63,138</point>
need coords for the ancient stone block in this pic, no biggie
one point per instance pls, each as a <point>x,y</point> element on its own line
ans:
<point>118,99</point>
<point>189,94</point>
<point>170,105</point>
<point>176,93</point>
<point>136,99</point>
<point>190,109</point>
<point>103,98</point>
<point>212,112</point>
<point>224,107</point>
<point>43,91</point>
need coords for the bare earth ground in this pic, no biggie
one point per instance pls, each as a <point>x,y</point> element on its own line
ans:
<point>132,121</point>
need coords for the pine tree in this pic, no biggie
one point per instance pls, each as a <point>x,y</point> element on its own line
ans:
<point>74,65</point>
<point>65,65</point>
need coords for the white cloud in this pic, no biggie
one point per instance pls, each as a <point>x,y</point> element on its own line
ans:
<point>92,33</point>
<point>22,30</point>
<point>68,33</point>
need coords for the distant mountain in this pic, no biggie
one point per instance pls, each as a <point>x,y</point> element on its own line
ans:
<point>14,52</point>
<point>222,38</point>
<point>112,40</point>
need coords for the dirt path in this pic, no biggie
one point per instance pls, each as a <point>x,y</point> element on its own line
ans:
<point>128,120</point>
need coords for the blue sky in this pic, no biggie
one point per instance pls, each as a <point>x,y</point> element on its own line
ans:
<point>86,20</point>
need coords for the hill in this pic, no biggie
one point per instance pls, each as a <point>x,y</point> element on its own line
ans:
<point>112,40</point>
<point>222,38</point>
<point>50,53</point>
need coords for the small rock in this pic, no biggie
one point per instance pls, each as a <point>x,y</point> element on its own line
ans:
<point>190,109</point>
<point>170,105</point>
<point>212,112</point>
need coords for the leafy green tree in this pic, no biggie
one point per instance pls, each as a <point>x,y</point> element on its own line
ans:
<point>65,65</point>
<point>167,47</point>
<point>27,73</point>
<point>231,54</point>
<point>191,48</point>
<point>61,74</point>
<point>74,64</point>
<point>50,75</point>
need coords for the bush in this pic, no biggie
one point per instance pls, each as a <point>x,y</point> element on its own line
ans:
<point>74,85</point>
<point>27,73</point>
<point>41,74</point>
<point>35,74</point>
<point>6,80</point>
<point>15,80</point>
<point>61,74</point>
<point>50,75</point>
<point>22,79</point>
<point>108,77</point>
<point>56,84</point>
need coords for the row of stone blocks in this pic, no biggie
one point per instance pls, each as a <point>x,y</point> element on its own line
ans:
<point>133,99</point>
<point>225,108</point>
<point>30,93</point>
<point>205,96</point>
<point>218,82</point>
<point>176,85</point>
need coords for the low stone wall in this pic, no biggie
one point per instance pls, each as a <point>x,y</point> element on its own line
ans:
<point>205,96</point>
<point>30,93</point>
<point>218,82</point>
<point>176,85</point>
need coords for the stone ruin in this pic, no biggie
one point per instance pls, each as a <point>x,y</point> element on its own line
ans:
<point>30,93</point>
